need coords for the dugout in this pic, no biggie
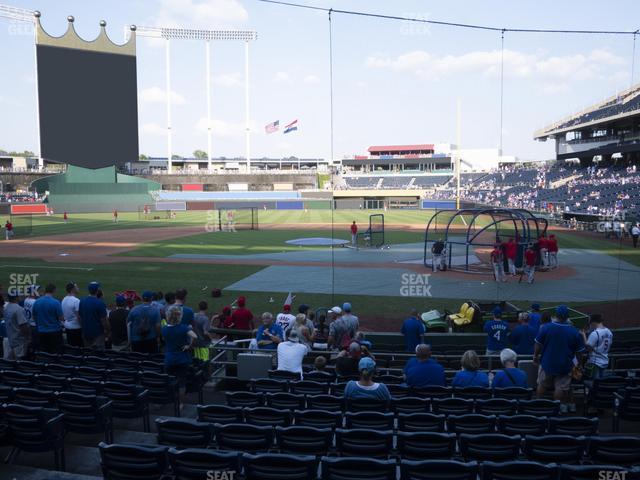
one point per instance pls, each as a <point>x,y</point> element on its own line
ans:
<point>466,230</point>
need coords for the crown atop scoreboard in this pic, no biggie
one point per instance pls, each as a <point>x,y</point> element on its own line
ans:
<point>71,39</point>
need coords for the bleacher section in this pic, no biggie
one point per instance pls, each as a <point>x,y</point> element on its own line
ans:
<point>396,182</point>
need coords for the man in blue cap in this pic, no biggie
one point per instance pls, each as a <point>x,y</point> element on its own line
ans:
<point>349,318</point>
<point>144,325</point>
<point>93,318</point>
<point>557,344</point>
<point>497,330</point>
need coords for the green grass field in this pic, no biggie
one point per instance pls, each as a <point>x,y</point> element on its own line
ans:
<point>199,279</point>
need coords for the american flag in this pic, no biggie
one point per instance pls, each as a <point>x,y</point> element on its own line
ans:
<point>272,127</point>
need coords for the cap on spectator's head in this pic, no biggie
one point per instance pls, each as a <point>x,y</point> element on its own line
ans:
<point>562,311</point>
<point>147,295</point>
<point>303,308</point>
<point>366,363</point>
<point>346,307</point>
<point>336,310</point>
<point>293,336</point>
<point>497,312</point>
<point>226,310</point>
<point>535,306</point>
<point>287,308</point>
<point>120,300</point>
<point>93,287</point>
<point>242,301</point>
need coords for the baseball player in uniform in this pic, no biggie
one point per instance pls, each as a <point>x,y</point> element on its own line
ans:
<point>354,234</point>
<point>437,250</point>
<point>530,263</point>
<point>552,244</point>
<point>497,262</point>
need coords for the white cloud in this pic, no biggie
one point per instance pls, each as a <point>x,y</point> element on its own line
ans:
<point>221,128</point>
<point>282,77</point>
<point>516,64</point>
<point>227,80</point>
<point>159,95</point>
<point>311,79</point>
<point>153,128</point>
<point>200,13</point>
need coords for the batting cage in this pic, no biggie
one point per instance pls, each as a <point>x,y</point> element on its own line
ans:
<point>373,237</point>
<point>230,220</point>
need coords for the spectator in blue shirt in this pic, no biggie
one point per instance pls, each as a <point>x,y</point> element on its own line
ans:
<point>144,325</point>
<point>366,387</point>
<point>470,376</point>
<point>179,340</point>
<point>422,370</point>
<point>534,318</point>
<point>93,317</point>
<point>496,330</point>
<point>187,312</point>
<point>269,334</point>
<point>47,312</point>
<point>510,376</point>
<point>412,329</point>
<point>557,345</point>
<point>522,337</point>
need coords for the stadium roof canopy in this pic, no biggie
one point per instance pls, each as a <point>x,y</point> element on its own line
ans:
<point>400,149</point>
<point>619,107</point>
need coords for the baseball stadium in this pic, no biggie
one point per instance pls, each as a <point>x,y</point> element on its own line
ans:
<point>359,309</point>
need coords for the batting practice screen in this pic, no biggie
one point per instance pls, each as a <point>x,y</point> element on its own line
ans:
<point>88,106</point>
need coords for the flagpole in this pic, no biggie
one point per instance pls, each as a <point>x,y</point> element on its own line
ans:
<point>246,105</point>
<point>208,63</point>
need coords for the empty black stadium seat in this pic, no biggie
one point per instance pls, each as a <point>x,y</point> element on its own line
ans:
<point>268,385</point>
<point>452,406</point>
<point>129,401</point>
<point>288,401</point>
<point>471,423</point>
<point>323,377</point>
<point>183,433</point>
<point>364,442</point>
<point>49,382</point>
<point>127,363</point>
<point>357,468</point>
<point>86,414</point>
<point>304,440</point>
<point>309,387</point>
<point>243,437</point>
<point>366,405</point>
<point>13,378</point>
<point>219,414</point>
<point>539,407</point>
<point>513,393</point>
<point>426,445</point>
<point>626,406</point>
<point>410,405</point>
<point>616,450</point>
<point>554,448</point>
<point>89,373</point>
<point>601,395</point>
<point>497,406</point>
<point>433,391</point>
<point>59,370</point>
<point>575,426</point>
<point>267,416</point>
<point>284,375</point>
<point>273,466</point>
<point>132,462</point>
<point>120,375</point>
<point>35,429</point>
<point>375,420</point>
<point>162,389</point>
<point>325,402</point>
<point>195,463</point>
<point>437,470</point>
<point>84,386</point>
<point>101,363</point>
<point>32,397</point>
<point>244,399</point>
<point>318,418</point>
<point>490,447</point>
<point>390,379</point>
<point>398,391</point>
<point>522,425</point>
<point>421,422</point>
<point>337,389</point>
<point>29,367</point>
<point>72,360</point>
<point>473,392</point>
<point>518,471</point>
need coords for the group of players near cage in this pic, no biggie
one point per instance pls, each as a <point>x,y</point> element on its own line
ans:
<point>542,254</point>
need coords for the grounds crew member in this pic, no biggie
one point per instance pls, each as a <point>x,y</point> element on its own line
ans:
<point>438,255</point>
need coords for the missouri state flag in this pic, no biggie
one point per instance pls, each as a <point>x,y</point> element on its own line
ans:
<point>272,127</point>
<point>291,127</point>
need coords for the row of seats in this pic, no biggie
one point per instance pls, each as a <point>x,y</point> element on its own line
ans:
<point>508,422</point>
<point>312,387</point>
<point>183,433</point>
<point>145,463</point>
<point>446,406</point>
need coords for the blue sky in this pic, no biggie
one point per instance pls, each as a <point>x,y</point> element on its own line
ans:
<point>394,82</point>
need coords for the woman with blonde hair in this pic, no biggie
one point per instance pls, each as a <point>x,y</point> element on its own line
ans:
<point>179,340</point>
<point>470,374</point>
<point>300,327</point>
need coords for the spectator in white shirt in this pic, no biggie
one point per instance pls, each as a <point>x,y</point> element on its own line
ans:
<point>72,325</point>
<point>598,343</point>
<point>291,354</point>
